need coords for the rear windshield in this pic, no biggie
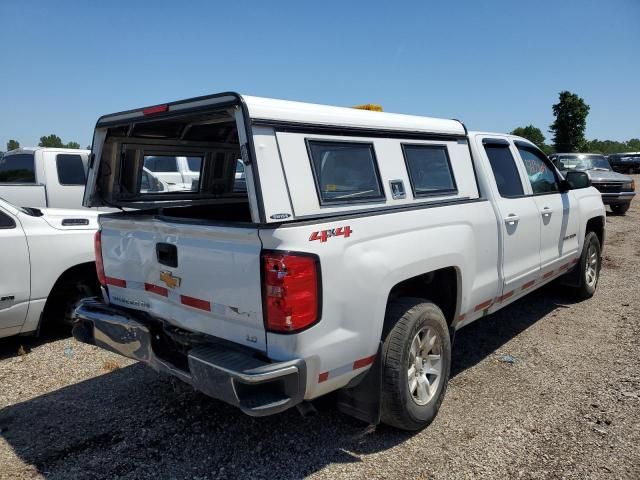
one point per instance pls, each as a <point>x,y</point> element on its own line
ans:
<point>17,168</point>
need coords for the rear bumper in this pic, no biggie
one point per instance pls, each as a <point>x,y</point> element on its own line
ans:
<point>615,198</point>
<point>234,375</point>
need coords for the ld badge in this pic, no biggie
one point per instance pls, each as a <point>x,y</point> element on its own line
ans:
<point>168,278</point>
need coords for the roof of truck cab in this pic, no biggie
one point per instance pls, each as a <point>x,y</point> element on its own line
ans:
<point>286,111</point>
<point>49,149</point>
<point>474,133</point>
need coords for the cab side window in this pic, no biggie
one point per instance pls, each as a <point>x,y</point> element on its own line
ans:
<point>505,170</point>
<point>70,169</point>
<point>541,176</point>
<point>6,221</point>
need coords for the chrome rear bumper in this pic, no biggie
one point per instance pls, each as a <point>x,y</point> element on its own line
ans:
<point>234,375</point>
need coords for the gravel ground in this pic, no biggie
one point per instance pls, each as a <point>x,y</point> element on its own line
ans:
<point>569,407</point>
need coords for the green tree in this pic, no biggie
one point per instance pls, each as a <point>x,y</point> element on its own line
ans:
<point>604,146</point>
<point>530,133</point>
<point>634,145</point>
<point>12,145</point>
<point>72,145</point>
<point>570,123</point>
<point>52,141</point>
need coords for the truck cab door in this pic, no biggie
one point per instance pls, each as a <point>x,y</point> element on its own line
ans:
<point>558,213</point>
<point>518,217</point>
<point>66,175</point>
<point>14,273</point>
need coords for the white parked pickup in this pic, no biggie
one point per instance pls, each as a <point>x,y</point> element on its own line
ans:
<point>44,177</point>
<point>362,241</point>
<point>46,265</point>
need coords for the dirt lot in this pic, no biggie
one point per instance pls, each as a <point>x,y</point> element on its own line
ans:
<point>569,407</point>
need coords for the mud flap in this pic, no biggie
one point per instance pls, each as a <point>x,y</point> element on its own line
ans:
<point>363,400</point>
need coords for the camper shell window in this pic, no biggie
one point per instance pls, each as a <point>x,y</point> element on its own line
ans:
<point>345,172</point>
<point>184,158</point>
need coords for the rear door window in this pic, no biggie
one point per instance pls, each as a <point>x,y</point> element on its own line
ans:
<point>505,170</point>
<point>345,172</point>
<point>429,169</point>
<point>70,169</point>
<point>18,168</point>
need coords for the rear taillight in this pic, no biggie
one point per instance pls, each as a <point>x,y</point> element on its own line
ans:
<point>291,290</point>
<point>97,243</point>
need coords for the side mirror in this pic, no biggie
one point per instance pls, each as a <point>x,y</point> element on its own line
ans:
<point>577,179</point>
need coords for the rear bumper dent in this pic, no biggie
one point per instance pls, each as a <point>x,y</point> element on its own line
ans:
<point>233,375</point>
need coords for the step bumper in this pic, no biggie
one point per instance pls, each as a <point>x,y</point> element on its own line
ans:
<point>235,375</point>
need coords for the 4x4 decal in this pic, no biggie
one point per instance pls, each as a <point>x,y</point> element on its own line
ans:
<point>324,235</point>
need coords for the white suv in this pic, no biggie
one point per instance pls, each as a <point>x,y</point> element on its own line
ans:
<point>361,243</point>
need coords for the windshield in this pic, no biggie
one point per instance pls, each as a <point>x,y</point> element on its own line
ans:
<point>582,162</point>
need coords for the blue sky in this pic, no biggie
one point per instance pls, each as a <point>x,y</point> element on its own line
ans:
<point>495,65</point>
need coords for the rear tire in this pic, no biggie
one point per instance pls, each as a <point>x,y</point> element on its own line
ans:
<point>416,363</point>
<point>620,208</point>
<point>589,266</point>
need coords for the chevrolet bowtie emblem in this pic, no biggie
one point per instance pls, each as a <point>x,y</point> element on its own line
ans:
<point>169,279</point>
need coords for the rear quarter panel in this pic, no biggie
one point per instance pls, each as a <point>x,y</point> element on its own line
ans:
<point>359,271</point>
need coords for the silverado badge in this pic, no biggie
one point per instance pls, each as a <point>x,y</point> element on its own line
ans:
<point>168,278</point>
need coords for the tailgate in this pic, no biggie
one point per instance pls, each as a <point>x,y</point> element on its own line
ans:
<point>201,278</point>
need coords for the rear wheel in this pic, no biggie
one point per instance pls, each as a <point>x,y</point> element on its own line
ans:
<point>620,208</point>
<point>416,363</point>
<point>589,266</point>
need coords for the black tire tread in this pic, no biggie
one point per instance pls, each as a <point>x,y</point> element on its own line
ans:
<point>393,348</point>
<point>582,291</point>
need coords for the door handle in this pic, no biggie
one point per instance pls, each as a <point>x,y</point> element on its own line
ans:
<point>511,219</point>
<point>546,212</point>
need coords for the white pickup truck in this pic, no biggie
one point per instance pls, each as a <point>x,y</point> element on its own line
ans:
<point>46,265</point>
<point>44,177</point>
<point>362,242</point>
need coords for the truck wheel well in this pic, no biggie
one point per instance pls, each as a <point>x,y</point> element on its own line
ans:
<point>439,286</point>
<point>596,225</point>
<point>68,287</point>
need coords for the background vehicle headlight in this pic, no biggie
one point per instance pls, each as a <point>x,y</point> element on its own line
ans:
<point>629,185</point>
